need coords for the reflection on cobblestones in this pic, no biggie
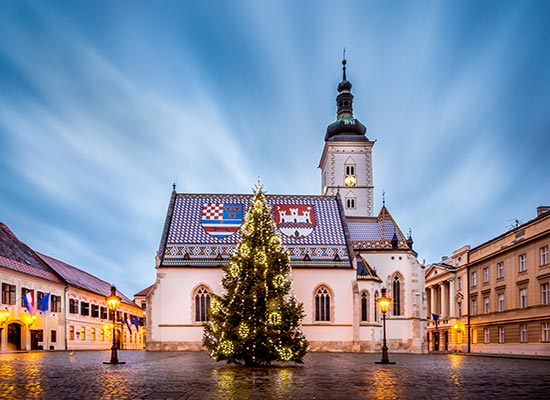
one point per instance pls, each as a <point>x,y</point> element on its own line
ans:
<point>82,375</point>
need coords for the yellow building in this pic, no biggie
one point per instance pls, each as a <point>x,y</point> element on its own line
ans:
<point>47,304</point>
<point>494,298</point>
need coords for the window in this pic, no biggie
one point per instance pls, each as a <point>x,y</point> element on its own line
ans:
<point>24,291</point>
<point>350,203</point>
<point>202,305</point>
<point>486,305</point>
<point>84,308</point>
<point>486,275</point>
<point>39,296</point>
<point>350,169</point>
<point>55,303</point>
<point>474,306</point>
<point>501,334</point>
<point>71,332</point>
<point>102,335</point>
<point>8,293</point>
<point>93,334</point>
<point>53,336</point>
<point>396,301</point>
<point>474,278</point>
<point>522,263</point>
<point>73,306</point>
<point>500,270</point>
<point>376,306</point>
<point>545,331</point>
<point>545,293</point>
<point>523,298</point>
<point>500,298</point>
<point>322,305</point>
<point>459,307</point>
<point>523,334</point>
<point>459,283</point>
<point>365,307</point>
<point>485,335</point>
<point>82,333</point>
<point>144,304</point>
<point>544,255</point>
<point>95,311</point>
<point>103,312</point>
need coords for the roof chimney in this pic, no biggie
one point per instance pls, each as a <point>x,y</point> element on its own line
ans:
<point>542,209</point>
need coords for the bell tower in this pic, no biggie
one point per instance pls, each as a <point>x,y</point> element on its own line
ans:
<point>346,162</point>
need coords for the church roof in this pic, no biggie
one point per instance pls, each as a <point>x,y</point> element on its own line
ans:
<point>202,229</point>
<point>365,271</point>
<point>376,232</point>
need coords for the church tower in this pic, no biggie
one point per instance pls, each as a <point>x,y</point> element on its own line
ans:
<point>346,162</point>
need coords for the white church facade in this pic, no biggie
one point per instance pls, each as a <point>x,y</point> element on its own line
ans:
<point>341,254</point>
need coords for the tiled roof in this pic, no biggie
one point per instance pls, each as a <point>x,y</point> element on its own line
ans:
<point>375,232</point>
<point>17,256</point>
<point>144,292</point>
<point>81,279</point>
<point>313,229</point>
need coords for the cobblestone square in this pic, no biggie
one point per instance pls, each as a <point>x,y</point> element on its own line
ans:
<point>189,375</point>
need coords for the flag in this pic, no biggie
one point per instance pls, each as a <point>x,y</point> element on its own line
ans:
<point>129,325</point>
<point>28,301</point>
<point>435,317</point>
<point>135,321</point>
<point>44,302</point>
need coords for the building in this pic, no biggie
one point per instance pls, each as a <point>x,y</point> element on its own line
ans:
<point>509,290</point>
<point>446,293</point>
<point>495,297</point>
<point>50,305</point>
<point>341,255</point>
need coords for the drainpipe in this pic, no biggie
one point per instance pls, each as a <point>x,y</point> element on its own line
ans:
<point>468,297</point>
<point>65,314</point>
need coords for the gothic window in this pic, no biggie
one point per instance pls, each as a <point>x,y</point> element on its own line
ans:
<point>396,301</point>
<point>322,304</point>
<point>376,306</point>
<point>350,203</point>
<point>350,169</point>
<point>202,304</point>
<point>364,307</point>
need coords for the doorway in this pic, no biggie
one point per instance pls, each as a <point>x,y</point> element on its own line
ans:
<point>37,335</point>
<point>14,337</point>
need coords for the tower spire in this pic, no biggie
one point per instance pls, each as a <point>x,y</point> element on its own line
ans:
<point>344,62</point>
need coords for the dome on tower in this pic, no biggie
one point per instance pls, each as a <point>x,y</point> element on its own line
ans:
<point>346,128</point>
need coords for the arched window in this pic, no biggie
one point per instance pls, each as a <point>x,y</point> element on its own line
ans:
<point>322,305</point>
<point>202,305</point>
<point>396,291</point>
<point>376,306</point>
<point>364,307</point>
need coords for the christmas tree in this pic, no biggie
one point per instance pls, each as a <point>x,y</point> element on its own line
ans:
<point>257,321</point>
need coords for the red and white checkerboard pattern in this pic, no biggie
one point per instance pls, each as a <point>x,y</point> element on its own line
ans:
<point>212,211</point>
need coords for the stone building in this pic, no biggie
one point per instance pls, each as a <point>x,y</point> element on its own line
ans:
<point>341,254</point>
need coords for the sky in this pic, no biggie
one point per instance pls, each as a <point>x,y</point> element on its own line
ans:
<point>105,104</point>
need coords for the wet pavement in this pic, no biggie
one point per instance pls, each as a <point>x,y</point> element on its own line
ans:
<point>187,375</point>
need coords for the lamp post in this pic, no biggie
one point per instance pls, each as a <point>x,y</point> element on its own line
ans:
<point>384,304</point>
<point>113,302</point>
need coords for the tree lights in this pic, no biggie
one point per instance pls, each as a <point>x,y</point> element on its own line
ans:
<point>257,321</point>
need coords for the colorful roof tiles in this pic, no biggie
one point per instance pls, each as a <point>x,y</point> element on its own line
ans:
<point>310,227</point>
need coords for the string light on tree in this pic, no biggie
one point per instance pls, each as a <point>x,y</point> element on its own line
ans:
<point>257,320</point>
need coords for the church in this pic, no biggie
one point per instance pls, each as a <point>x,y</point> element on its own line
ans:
<point>341,253</point>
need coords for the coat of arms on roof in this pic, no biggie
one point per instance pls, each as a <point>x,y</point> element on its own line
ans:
<point>295,220</point>
<point>222,219</point>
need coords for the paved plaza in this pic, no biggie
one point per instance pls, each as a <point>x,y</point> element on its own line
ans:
<point>183,375</point>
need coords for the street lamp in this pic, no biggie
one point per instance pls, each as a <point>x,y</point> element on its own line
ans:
<point>113,302</point>
<point>384,304</point>
<point>4,316</point>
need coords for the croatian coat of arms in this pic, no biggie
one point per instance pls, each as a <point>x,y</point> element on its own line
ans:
<point>295,220</point>
<point>221,219</point>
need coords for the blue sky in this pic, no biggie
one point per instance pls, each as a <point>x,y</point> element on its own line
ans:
<point>104,104</point>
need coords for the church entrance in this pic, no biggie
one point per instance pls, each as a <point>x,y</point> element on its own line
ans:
<point>14,337</point>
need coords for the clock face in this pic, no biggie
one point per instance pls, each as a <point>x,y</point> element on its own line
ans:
<point>349,180</point>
